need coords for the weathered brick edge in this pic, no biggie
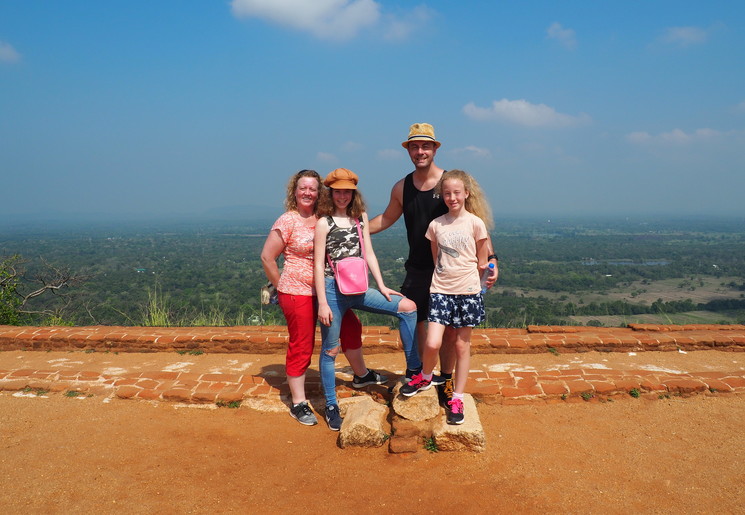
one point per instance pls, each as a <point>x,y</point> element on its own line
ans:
<point>272,339</point>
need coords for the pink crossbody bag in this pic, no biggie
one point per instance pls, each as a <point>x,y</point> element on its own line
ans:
<point>351,272</point>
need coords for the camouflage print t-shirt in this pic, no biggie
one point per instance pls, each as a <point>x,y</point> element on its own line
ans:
<point>341,243</point>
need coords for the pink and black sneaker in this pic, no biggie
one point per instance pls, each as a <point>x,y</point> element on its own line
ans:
<point>454,411</point>
<point>416,385</point>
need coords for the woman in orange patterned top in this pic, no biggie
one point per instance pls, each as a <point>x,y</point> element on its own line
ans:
<point>292,235</point>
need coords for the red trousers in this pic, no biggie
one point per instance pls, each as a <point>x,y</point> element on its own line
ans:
<point>301,313</point>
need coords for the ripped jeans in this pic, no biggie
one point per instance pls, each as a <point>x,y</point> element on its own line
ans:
<point>374,302</point>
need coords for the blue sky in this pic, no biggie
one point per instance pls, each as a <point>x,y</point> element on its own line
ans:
<point>180,108</point>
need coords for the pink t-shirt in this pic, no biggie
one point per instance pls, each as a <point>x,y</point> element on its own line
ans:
<point>297,273</point>
<point>456,264</point>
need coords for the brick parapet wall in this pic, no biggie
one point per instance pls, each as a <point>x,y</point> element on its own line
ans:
<point>376,339</point>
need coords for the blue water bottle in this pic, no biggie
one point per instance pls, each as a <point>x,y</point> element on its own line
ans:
<point>485,276</point>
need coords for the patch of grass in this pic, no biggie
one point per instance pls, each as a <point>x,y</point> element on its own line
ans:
<point>231,404</point>
<point>587,395</point>
<point>38,391</point>
<point>553,351</point>
<point>430,444</point>
<point>713,390</point>
<point>635,393</point>
<point>663,396</point>
<point>563,396</point>
<point>89,351</point>
<point>193,352</point>
<point>73,393</point>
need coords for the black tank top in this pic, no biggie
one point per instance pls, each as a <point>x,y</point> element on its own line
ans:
<point>420,208</point>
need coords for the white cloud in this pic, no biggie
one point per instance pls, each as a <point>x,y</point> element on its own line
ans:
<point>327,157</point>
<point>398,29</point>
<point>522,112</point>
<point>325,19</point>
<point>639,137</point>
<point>8,54</point>
<point>474,151</point>
<point>390,153</point>
<point>674,137</point>
<point>684,36</point>
<point>352,146</point>
<point>740,108</point>
<point>564,36</point>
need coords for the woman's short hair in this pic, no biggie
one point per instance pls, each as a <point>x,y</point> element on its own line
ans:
<point>291,201</point>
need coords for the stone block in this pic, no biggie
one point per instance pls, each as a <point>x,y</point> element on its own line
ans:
<point>364,424</point>
<point>404,428</point>
<point>420,407</point>
<point>400,444</point>
<point>468,436</point>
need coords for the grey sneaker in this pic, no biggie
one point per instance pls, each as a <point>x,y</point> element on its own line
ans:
<point>333,417</point>
<point>303,414</point>
<point>372,377</point>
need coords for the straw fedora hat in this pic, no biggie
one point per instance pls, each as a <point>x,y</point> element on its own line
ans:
<point>421,132</point>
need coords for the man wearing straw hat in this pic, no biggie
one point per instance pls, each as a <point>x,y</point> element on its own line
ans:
<point>414,197</point>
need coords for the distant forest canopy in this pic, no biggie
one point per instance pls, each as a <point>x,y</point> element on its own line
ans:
<point>580,271</point>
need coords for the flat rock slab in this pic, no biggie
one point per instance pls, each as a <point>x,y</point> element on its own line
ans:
<point>364,423</point>
<point>468,436</point>
<point>420,407</point>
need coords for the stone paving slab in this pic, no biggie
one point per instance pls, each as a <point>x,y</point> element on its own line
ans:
<point>258,379</point>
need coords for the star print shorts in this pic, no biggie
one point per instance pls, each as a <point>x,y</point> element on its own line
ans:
<point>456,310</point>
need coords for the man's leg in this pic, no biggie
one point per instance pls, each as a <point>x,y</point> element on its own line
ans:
<point>421,336</point>
<point>416,287</point>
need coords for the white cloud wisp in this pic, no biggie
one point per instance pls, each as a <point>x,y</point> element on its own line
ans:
<point>8,54</point>
<point>674,137</point>
<point>564,36</point>
<point>325,19</point>
<point>684,36</point>
<point>522,112</point>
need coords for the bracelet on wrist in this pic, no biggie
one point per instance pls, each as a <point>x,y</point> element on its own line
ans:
<point>493,256</point>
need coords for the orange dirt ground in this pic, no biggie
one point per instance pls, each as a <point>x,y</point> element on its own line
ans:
<point>69,455</point>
